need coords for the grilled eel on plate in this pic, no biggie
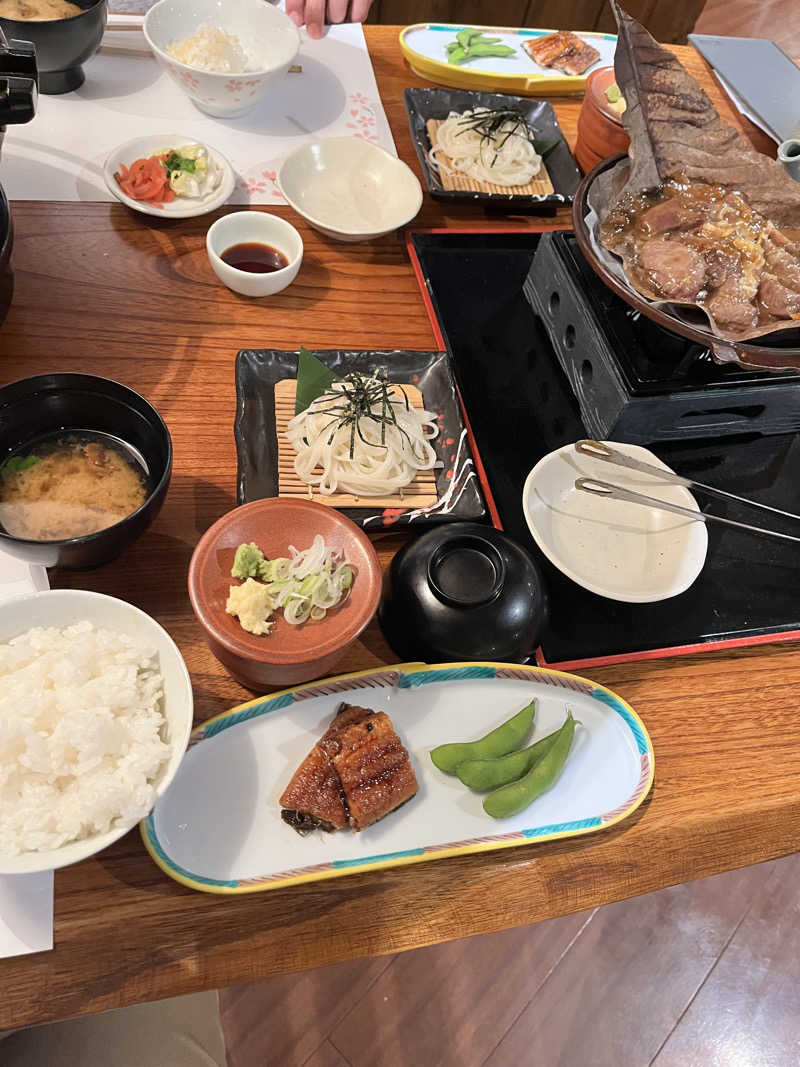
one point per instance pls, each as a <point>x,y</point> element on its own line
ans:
<point>356,773</point>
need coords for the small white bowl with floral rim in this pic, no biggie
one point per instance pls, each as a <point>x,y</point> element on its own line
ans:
<point>269,39</point>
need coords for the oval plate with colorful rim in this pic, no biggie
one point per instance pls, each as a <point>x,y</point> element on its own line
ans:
<point>219,827</point>
<point>424,45</point>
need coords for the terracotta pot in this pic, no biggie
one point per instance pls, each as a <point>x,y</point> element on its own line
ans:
<point>600,130</point>
<point>289,654</point>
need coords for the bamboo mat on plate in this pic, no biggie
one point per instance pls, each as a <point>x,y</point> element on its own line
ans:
<point>421,493</point>
<point>455,182</point>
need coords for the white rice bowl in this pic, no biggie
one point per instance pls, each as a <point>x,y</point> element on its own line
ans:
<point>95,714</point>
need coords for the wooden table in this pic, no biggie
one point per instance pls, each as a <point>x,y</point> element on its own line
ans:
<point>100,290</point>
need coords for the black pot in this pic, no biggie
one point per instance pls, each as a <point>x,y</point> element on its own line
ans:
<point>33,407</point>
<point>463,592</point>
<point>62,45</point>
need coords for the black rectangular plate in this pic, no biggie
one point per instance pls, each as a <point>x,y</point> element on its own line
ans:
<point>520,407</point>
<point>424,104</point>
<point>258,371</point>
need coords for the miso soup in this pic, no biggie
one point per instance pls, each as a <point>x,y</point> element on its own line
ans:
<point>70,484</point>
<point>38,10</point>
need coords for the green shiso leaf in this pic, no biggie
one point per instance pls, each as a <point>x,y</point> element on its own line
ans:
<point>313,379</point>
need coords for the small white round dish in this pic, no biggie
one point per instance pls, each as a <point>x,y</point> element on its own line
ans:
<point>261,228</point>
<point>62,607</point>
<point>269,37</point>
<point>179,208</point>
<point>349,189</point>
<point>620,550</point>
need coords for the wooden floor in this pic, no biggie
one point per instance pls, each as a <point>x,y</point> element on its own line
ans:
<point>700,975</point>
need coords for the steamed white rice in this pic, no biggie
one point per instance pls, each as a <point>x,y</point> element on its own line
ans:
<point>80,734</point>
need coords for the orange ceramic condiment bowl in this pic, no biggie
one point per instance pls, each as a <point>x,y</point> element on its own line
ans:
<point>600,130</point>
<point>288,655</point>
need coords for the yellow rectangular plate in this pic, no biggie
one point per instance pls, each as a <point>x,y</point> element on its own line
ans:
<point>424,45</point>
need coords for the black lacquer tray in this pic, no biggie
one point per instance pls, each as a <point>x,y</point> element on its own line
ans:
<point>520,405</point>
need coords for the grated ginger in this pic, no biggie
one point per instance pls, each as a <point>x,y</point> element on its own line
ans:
<point>251,602</point>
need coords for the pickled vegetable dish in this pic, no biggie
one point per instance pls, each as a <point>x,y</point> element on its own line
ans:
<point>187,172</point>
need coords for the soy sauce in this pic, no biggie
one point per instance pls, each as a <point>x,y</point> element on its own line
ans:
<point>255,258</point>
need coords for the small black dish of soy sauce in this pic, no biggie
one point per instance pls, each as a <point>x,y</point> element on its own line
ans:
<point>254,257</point>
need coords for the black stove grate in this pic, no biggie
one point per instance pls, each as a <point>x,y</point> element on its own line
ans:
<point>633,379</point>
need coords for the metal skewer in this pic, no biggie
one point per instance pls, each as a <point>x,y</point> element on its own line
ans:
<point>617,492</point>
<point>598,450</point>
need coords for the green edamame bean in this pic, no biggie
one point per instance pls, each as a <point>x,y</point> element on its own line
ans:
<point>483,775</point>
<point>467,36</point>
<point>482,51</point>
<point>517,796</point>
<point>505,738</point>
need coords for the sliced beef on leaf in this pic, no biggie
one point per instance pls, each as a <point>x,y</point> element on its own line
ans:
<point>777,299</point>
<point>730,306</point>
<point>669,216</point>
<point>676,270</point>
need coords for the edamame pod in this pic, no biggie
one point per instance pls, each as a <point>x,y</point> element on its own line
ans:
<point>517,796</point>
<point>486,774</point>
<point>505,738</point>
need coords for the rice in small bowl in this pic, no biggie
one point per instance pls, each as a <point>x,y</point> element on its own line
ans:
<point>95,714</point>
<point>226,55</point>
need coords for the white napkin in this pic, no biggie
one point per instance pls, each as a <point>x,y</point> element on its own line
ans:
<point>26,900</point>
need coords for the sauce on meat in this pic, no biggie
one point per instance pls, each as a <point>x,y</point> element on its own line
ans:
<point>698,243</point>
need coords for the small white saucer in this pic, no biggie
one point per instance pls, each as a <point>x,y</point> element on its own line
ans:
<point>141,148</point>
<point>619,550</point>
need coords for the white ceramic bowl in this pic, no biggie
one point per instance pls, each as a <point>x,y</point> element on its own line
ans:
<point>141,148</point>
<point>619,550</point>
<point>269,37</point>
<point>349,189</point>
<point>62,607</point>
<point>254,226</point>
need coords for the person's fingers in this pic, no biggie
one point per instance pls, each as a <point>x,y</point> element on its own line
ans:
<point>337,10</point>
<point>294,9</point>
<point>359,10</point>
<point>315,17</point>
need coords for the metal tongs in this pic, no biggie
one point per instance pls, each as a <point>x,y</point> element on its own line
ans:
<point>598,450</point>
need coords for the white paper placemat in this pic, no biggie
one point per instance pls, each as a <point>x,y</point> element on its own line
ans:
<point>26,900</point>
<point>60,155</point>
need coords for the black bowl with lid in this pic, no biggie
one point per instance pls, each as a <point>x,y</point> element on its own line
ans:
<point>463,592</point>
<point>33,408</point>
<point>62,45</point>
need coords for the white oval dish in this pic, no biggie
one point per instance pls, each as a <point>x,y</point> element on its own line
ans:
<point>261,227</point>
<point>267,34</point>
<point>62,607</point>
<point>349,189</point>
<point>179,208</point>
<point>616,549</point>
<point>219,828</point>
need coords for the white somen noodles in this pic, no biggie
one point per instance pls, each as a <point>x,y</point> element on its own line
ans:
<point>506,157</point>
<point>374,456</point>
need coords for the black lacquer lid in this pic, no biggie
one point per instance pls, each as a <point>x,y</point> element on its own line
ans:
<point>463,592</point>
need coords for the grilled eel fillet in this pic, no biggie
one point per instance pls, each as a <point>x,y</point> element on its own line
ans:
<point>356,773</point>
<point>564,51</point>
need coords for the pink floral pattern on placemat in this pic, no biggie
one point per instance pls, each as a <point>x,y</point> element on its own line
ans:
<point>259,184</point>
<point>361,119</point>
